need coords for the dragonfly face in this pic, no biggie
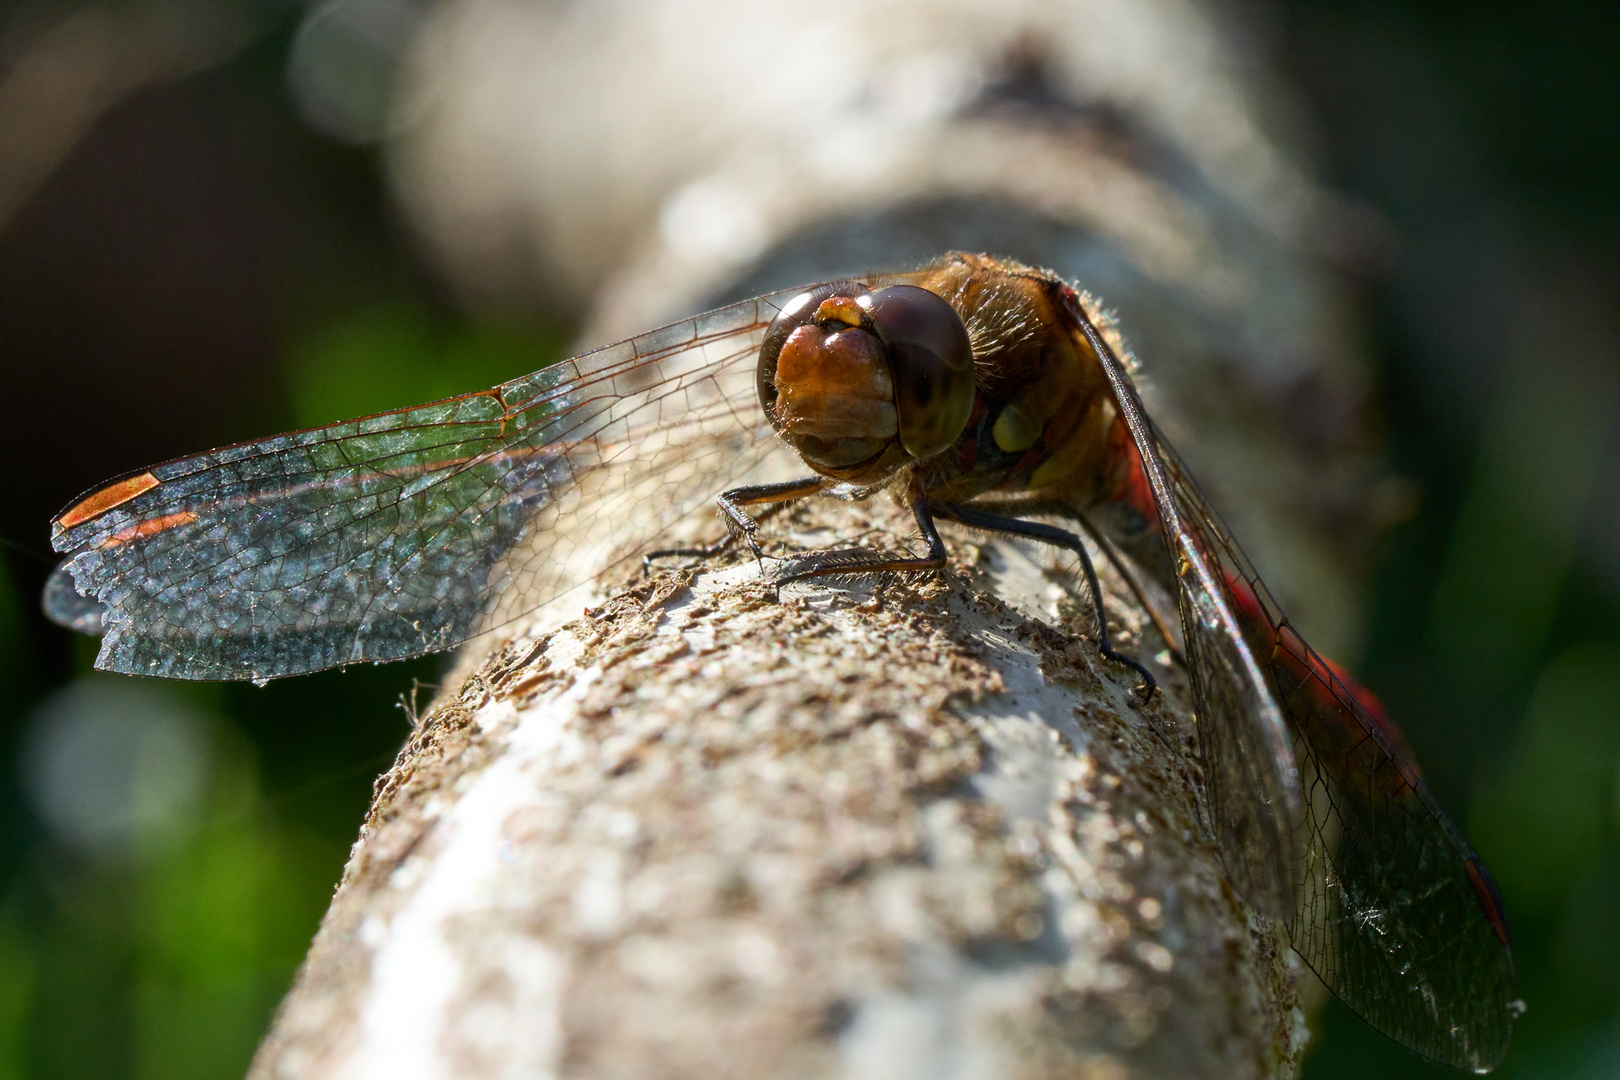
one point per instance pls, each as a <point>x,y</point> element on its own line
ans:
<point>861,381</point>
<point>972,387</point>
<point>964,373</point>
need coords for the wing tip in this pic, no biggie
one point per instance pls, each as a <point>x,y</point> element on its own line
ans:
<point>64,605</point>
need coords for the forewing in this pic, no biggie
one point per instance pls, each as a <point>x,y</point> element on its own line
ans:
<point>407,532</point>
<point>1396,915</point>
<point>1382,897</point>
<point>1251,783</point>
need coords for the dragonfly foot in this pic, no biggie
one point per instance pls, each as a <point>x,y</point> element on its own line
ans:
<point>1145,688</point>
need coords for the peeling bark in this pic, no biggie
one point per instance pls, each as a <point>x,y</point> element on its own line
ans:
<point>910,828</point>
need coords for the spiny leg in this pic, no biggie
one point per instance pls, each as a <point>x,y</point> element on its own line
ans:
<point>738,521</point>
<point>1128,573</point>
<point>1049,534</point>
<point>826,564</point>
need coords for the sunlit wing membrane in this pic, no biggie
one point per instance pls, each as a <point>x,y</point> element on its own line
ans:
<point>410,531</point>
<point>1251,782</point>
<point>1396,915</point>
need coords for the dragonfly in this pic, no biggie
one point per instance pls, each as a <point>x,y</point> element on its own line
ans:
<point>975,389</point>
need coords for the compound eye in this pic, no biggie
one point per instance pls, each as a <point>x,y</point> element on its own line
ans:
<point>932,363</point>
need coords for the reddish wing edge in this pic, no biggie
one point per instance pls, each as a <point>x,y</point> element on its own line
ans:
<point>1462,1016</point>
<point>1443,983</point>
<point>110,494</point>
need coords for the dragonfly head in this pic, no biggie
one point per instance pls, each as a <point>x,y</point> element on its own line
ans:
<point>861,381</point>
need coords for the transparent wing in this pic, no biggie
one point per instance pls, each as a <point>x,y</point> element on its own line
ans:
<point>1396,914</point>
<point>407,532</point>
<point>1251,783</point>
<point>1321,819</point>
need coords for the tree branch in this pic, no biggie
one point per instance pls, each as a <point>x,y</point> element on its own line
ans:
<point>909,828</point>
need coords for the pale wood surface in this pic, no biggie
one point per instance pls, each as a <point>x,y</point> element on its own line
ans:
<point>713,829</point>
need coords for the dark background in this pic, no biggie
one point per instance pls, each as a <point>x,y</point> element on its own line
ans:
<point>204,267</point>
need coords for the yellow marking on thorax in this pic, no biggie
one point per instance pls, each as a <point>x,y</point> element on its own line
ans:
<point>1016,430</point>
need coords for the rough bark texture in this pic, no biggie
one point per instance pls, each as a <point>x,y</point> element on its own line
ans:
<point>913,828</point>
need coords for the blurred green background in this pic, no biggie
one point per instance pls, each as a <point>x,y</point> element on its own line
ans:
<point>203,265</point>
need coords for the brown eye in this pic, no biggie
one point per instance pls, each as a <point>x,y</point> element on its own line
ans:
<point>932,364</point>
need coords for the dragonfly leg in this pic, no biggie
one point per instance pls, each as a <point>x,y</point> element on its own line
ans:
<point>1128,574</point>
<point>1048,534</point>
<point>837,564</point>
<point>739,523</point>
